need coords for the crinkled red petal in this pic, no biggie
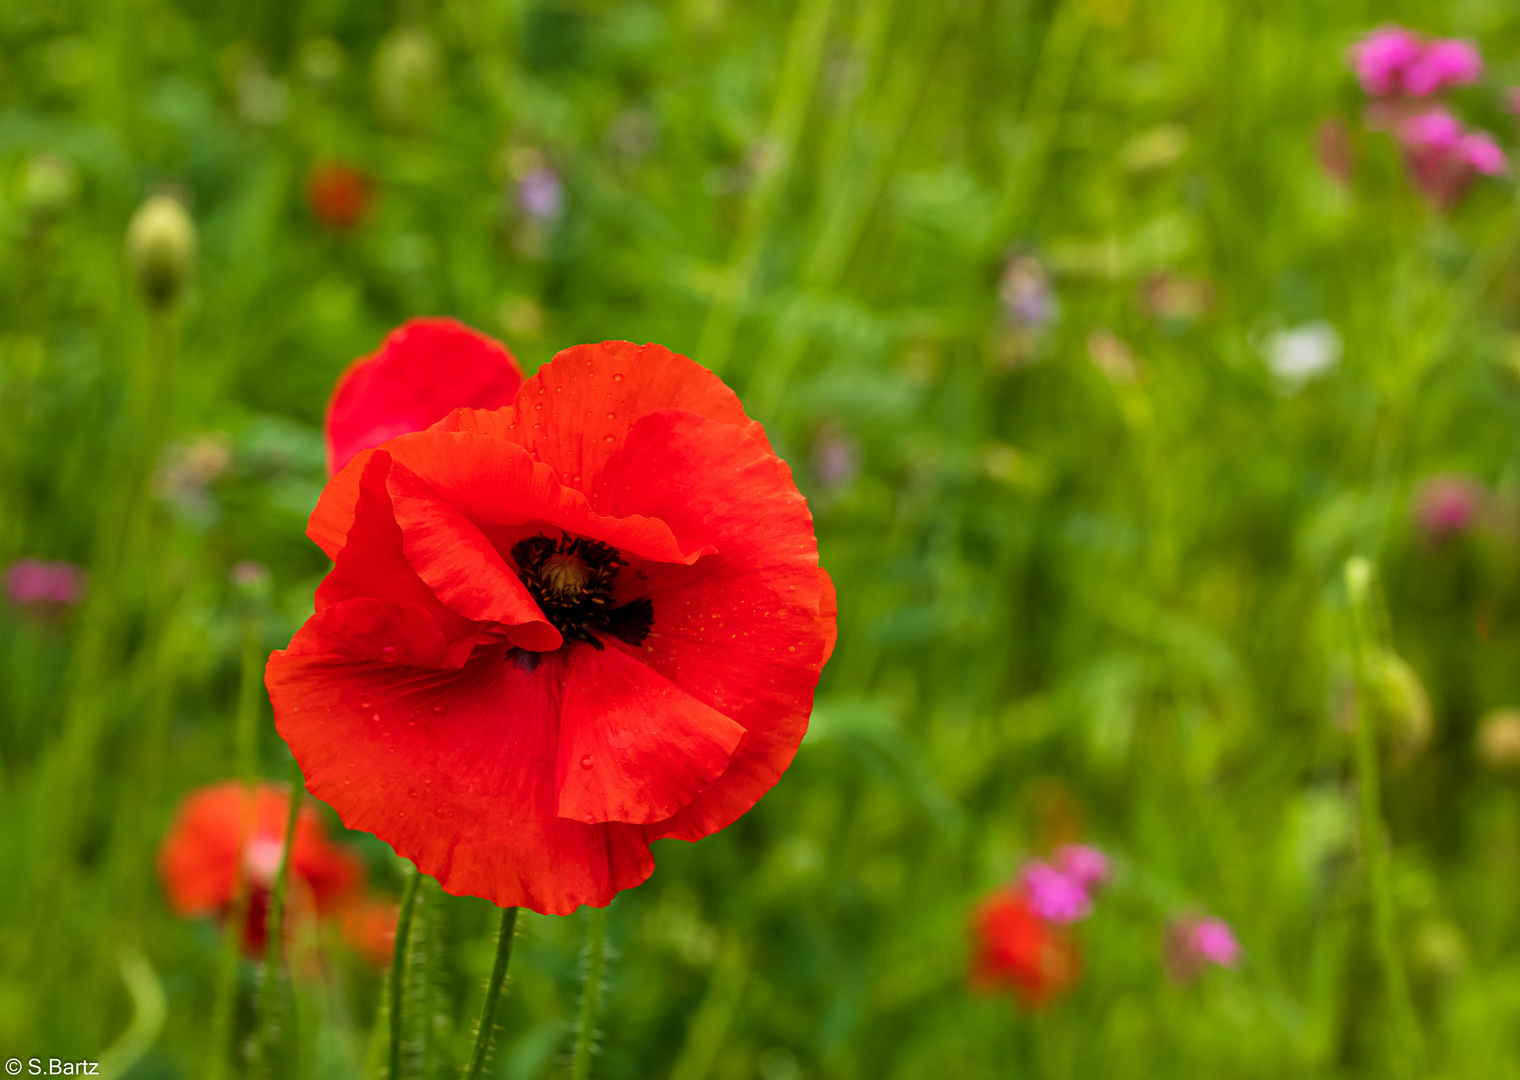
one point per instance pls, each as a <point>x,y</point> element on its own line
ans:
<point>456,771</point>
<point>745,630</point>
<point>633,746</point>
<point>422,371</point>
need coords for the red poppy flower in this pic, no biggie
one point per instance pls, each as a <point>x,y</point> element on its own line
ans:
<point>1014,949</point>
<point>423,370</point>
<point>558,631</point>
<point>338,194</point>
<point>200,856</point>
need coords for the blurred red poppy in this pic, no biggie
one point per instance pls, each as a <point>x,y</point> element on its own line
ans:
<point>423,370</point>
<point>339,195</point>
<point>1015,949</point>
<point>558,631</point>
<point>199,860</point>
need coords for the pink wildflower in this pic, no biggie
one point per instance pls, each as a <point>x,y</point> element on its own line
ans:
<point>33,583</point>
<point>1444,63</point>
<point>1382,57</point>
<point>1445,506</point>
<point>1444,159</point>
<point>1483,154</point>
<point>1193,942</point>
<point>1084,864</point>
<point>1055,895</point>
<point>540,194</point>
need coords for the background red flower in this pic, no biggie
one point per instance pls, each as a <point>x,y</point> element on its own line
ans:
<point>199,859</point>
<point>522,716</point>
<point>425,369</point>
<point>338,194</point>
<point>1014,949</point>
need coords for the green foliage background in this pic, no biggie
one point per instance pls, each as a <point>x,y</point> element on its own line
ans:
<point>1069,604</point>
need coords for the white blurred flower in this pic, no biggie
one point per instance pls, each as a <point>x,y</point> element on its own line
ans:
<point>1300,353</point>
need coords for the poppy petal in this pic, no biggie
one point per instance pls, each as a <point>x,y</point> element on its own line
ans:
<point>460,565</point>
<point>497,485</point>
<point>746,630</point>
<point>375,566</point>
<point>456,772</point>
<point>422,371</point>
<point>633,746</point>
<point>606,388</point>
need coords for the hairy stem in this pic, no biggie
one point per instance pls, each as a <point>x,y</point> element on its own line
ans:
<point>585,1029</point>
<point>274,944</point>
<point>398,968</point>
<point>493,993</point>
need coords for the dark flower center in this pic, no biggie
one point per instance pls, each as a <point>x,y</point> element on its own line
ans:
<point>572,581</point>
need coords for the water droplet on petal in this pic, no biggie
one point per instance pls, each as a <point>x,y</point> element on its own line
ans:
<point>607,438</point>
<point>622,740</point>
<point>389,652</point>
<point>587,761</point>
<point>438,709</point>
<point>617,378</point>
<point>363,704</point>
<point>375,717</point>
<point>611,416</point>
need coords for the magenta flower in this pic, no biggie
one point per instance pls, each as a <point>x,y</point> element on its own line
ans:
<point>1055,895</point>
<point>1382,57</point>
<point>1443,158</point>
<point>1084,864</point>
<point>31,583</point>
<point>1445,506</point>
<point>1193,942</point>
<point>1443,64</point>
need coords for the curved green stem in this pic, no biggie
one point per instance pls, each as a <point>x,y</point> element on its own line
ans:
<point>274,942</point>
<point>585,1031</point>
<point>493,993</point>
<point>398,969</point>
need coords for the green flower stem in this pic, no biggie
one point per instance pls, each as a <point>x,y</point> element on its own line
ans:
<point>274,944</point>
<point>226,984</point>
<point>493,993</point>
<point>1359,576</point>
<point>585,1031</point>
<point>398,969</point>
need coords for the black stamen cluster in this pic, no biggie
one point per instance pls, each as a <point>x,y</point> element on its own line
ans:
<point>579,601</point>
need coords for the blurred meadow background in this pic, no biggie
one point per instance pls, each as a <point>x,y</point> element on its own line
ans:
<point>1100,335</point>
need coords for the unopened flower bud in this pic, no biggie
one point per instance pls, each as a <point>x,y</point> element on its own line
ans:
<point>161,246</point>
<point>48,185</point>
<point>405,73</point>
<point>1403,705</point>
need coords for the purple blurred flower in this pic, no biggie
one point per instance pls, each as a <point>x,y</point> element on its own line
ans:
<point>540,194</point>
<point>1480,151</point>
<point>1381,58</point>
<point>1448,505</point>
<point>31,582</point>
<point>836,458</point>
<point>1084,864</point>
<point>1028,300</point>
<point>1445,159</point>
<point>1055,895</point>
<point>1444,63</point>
<point>1194,941</point>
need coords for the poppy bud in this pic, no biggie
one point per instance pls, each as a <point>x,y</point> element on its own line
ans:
<point>1403,706</point>
<point>406,69</point>
<point>161,245</point>
<point>47,186</point>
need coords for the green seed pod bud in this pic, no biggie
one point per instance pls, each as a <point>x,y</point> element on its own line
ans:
<point>161,245</point>
<point>1403,705</point>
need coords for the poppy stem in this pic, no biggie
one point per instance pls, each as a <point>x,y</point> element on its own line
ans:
<point>493,993</point>
<point>585,1032</point>
<point>398,968</point>
<point>275,942</point>
<point>1359,588</point>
